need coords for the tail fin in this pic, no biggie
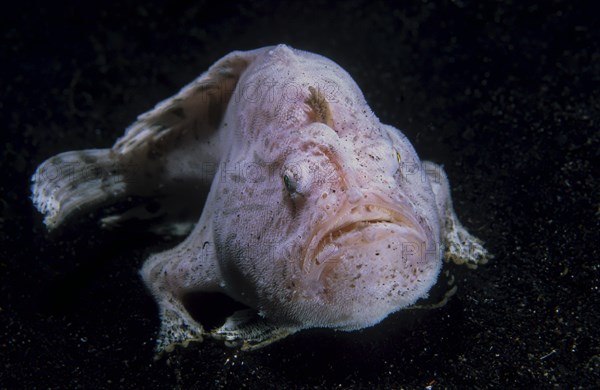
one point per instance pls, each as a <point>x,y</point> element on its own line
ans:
<point>76,181</point>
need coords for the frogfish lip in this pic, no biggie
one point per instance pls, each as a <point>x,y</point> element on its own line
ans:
<point>358,224</point>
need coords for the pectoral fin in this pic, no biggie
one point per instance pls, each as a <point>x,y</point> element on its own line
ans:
<point>247,330</point>
<point>460,246</point>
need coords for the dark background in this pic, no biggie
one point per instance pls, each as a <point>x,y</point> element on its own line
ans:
<point>504,94</point>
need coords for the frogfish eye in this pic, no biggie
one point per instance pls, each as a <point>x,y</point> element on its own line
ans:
<point>290,184</point>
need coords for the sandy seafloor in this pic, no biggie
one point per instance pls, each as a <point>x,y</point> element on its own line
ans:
<point>504,94</point>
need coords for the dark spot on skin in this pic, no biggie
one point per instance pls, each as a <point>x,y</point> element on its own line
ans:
<point>161,128</point>
<point>204,87</point>
<point>215,112</point>
<point>178,112</point>
<point>87,158</point>
<point>229,74</point>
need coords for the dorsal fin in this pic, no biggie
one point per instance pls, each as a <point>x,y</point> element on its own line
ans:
<point>320,110</point>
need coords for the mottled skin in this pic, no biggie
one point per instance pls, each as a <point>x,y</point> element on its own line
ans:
<point>318,215</point>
